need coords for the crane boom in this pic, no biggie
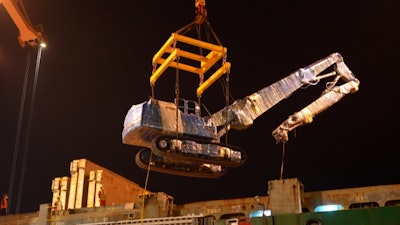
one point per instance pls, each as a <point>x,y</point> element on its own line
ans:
<point>28,34</point>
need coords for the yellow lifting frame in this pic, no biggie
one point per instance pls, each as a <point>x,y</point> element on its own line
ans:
<point>206,62</point>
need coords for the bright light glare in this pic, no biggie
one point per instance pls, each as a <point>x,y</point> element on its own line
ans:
<point>43,45</point>
<point>259,213</point>
<point>328,208</point>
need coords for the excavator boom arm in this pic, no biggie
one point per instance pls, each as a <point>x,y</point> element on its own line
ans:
<point>243,112</point>
<point>306,115</point>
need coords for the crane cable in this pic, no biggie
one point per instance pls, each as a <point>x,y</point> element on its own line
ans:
<point>145,187</point>
<point>283,160</point>
<point>227,94</point>
<point>177,92</point>
<point>17,140</point>
<point>18,136</point>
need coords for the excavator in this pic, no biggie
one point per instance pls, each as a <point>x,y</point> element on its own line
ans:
<point>177,139</point>
<point>29,35</point>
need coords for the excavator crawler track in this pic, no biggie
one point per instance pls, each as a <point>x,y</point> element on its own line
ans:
<point>198,151</point>
<point>177,167</point>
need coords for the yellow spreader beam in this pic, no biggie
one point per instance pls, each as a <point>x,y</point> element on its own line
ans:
<point>172,53</point>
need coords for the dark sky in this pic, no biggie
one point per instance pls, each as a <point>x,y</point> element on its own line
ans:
<point>98,64</point>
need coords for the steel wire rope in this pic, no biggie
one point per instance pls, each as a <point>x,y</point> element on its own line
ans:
<point>283,160</point>
<point>226,108</point>
<point>18,135</point>
<point>225,86</point>
<point>177,91</point>
<point>145,187</point>
<point>27,138</point>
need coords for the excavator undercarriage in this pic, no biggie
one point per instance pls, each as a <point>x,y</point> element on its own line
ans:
<point>145,159</point>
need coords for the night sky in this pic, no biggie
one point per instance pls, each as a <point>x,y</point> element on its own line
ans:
<point>98,64</point>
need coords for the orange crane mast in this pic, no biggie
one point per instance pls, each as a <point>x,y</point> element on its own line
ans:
<point>29,35</point>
